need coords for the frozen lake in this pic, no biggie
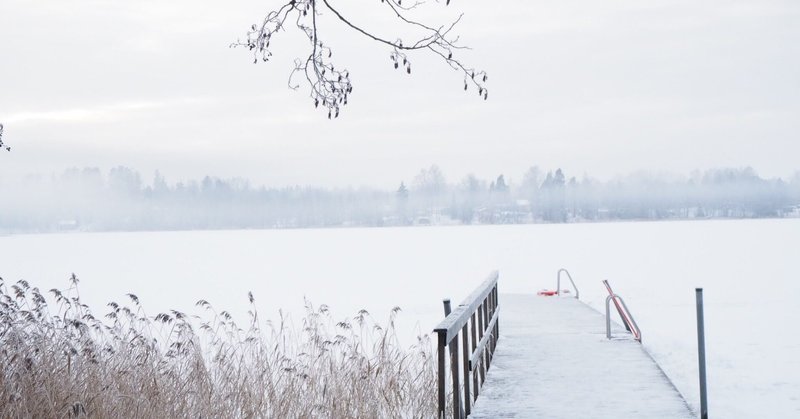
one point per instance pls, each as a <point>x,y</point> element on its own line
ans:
<point>750,271</point>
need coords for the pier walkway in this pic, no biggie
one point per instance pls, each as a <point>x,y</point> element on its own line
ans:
<point>552,360</point>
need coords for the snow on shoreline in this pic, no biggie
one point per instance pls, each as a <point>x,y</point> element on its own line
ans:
<point>747,267</point>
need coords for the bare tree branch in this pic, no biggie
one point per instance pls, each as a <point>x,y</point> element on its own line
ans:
<point>3,146</point>
<point>331,86</point>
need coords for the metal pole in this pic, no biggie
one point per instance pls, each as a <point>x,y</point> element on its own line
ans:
<point>446,307</point>
<point>701,353</point>
<point>608,317</point>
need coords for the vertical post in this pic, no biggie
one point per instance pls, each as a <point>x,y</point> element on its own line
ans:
<point>497,323</point>
<point>442,370</point>
<point>481,331</point>
<point>456,382</point>
<point>475,386</point>
<point>494,309</point>
<point>608,316</point>
<point>701,353</point>
<point>465,363</point>
<point>441,373</point>
<point>487,353</point>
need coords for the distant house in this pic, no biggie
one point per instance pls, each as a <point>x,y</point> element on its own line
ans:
<point>792,212</point>
<point>67,225</point>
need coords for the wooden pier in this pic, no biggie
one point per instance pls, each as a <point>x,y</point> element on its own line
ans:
<point>553,360</point>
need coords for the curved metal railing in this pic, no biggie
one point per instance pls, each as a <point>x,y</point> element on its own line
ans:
<point>558,282</point>
<point>627,318</point>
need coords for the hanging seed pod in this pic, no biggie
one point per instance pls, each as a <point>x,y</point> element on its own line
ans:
<point>465,86</point>
<point>486,95</point>
<point>484,77</point>
<point>396,64</point>
<point>408,69</point>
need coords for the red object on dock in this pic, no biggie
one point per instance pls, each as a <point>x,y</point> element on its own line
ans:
<point>547,293</point>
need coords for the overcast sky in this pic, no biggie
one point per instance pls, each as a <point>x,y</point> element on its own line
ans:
<point>600,87</point>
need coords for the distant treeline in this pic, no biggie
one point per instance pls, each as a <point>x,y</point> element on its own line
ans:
<point>86,199</point>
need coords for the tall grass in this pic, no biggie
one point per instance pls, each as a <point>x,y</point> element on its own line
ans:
<point>57,359</point>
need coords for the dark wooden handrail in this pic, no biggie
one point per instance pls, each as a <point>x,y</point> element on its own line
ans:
<point>476,319</point>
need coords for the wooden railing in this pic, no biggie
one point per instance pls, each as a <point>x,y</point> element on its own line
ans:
<point>476,319</point>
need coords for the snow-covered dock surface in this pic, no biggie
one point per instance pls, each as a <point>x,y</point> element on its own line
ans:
<point>553,361</point>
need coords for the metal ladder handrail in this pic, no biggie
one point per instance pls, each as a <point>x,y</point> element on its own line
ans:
<point>627,318</point>
<point>558,282</point>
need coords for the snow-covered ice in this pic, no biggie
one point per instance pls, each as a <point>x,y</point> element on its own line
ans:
<point>553,361</point>
<point>749,270</point>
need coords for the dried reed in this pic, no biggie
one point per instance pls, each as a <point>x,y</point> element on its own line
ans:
<point>59,360</point>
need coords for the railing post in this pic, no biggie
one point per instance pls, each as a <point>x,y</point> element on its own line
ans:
<point>481,330</point>
<point>456,382</point>
<point>442,343</point>
<point>442,369</point>
<point>477,322</point>
<point>465,364</point>
<point>486,318</point>
<point>475,385</point>
<point>497,323</point>
<point>701,353</point>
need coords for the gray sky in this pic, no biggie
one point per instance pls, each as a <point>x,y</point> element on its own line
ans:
<point>600,87</point>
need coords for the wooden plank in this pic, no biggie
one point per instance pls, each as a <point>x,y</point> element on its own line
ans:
<point>453,323</point>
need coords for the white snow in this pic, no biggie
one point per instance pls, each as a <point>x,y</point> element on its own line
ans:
<point>749,270</point>
<point>553,360</point>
